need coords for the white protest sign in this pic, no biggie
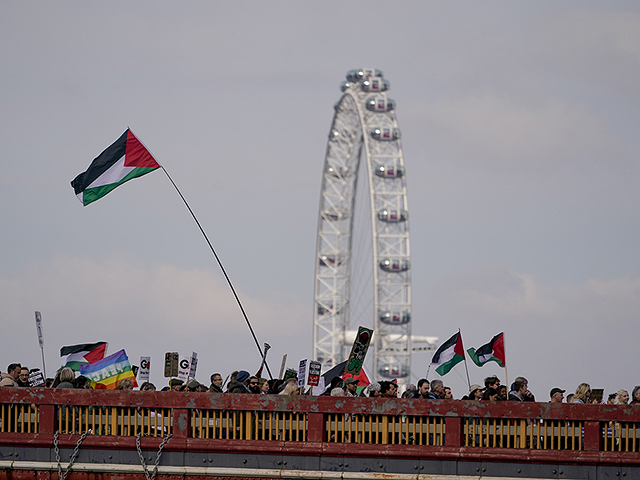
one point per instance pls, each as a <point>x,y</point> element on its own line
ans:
<point>302,372</point>
<point>143,372</point>
<point>183,368</point>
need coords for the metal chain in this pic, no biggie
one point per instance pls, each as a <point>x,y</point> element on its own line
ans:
<point>72,459</point>
<point>158,455</point>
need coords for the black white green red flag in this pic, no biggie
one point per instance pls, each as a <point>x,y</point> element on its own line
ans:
<point>125,159</point>
<point>448,355</point>
<point>75,355</point>
<point>492,351</point>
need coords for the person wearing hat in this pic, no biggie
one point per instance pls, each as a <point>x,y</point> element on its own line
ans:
<point>237,385</point>
<point>350,387</point>
<point>175,385</point>
<point>556,395</point>
<point>475,392</point>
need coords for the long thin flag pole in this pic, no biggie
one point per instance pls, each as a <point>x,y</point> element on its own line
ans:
<point>464,356</point>
<point>506,375</point>
<point>255,339</point>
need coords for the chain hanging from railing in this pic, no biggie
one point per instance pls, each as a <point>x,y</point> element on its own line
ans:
<point>73,455</point>
<point>158,455</point>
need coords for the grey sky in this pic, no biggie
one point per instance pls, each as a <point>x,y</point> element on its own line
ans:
<point>519,125</point>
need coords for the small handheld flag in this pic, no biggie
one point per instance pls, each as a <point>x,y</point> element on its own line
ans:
<point>448,355</point>
<point>125,159</point>
<point>492,351</point>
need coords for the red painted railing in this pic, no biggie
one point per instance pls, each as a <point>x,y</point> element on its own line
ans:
<point>339,426</point>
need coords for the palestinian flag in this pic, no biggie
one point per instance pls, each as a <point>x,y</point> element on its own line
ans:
<point>105,374</point>
<point>76,355</point>
<point>127,158</point>
<point>492,351</point>
<point>448,355</point>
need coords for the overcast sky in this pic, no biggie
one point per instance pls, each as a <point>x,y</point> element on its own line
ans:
<point>520,136</point>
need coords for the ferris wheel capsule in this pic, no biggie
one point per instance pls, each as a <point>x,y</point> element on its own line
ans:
<point>385,133</point>
<point>389,171</point>
<point>380,104</point>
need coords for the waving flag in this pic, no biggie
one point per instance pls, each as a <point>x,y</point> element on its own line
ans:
<point>106,373</point>
<point>448,355</point>
<point>74,356</point>
<point>125,159</point>
<point>492,351</point>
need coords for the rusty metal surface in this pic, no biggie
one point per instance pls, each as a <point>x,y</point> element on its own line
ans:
<point>190,400</point>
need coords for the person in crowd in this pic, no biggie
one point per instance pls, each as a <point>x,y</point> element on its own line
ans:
<point>583,394</point>
<point>372,390</point>
<point>437,389</point>
<point>518,389</point>
<point>492,382</point>
<point>147,387</point>
<point>65,378</point>
<point>253,385</point>
<point>610,398</point>
<point>490,394</point>
<point>410,392</point>
<point>556,395</point>
<point>125,384</point>
<point>291,387</point>
<point>176,385</point>
<point>23,378</point>
<point>527,396</point>
<point>216,383</point>
<point>82,382</point>
<point>503,395</point>
<point>388,389</point>
<point>10,379</point>
<point>475,392</point>
<point>635,395</point>
<point>448,394</point>
<point>622,397</point>
<point>337,392</point>
<point>351,387</point>
<point>335,382</point>
<point>423,389</point>
<point>263,386</point>
<point>237,385</point>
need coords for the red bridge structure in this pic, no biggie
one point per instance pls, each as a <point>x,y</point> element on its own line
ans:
<point>115,435</point>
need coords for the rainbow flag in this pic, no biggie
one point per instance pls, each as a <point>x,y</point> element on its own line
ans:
<point>106,373</point>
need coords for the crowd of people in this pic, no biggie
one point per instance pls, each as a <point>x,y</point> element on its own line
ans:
<point>241,381</point>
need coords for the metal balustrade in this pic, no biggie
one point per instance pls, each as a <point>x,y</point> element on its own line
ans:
<point>118,421</point>
<point>249,425</point>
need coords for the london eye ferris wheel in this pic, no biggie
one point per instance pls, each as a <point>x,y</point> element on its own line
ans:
<point>365,128</point>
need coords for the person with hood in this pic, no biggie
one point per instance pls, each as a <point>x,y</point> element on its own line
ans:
<point>237,385</point>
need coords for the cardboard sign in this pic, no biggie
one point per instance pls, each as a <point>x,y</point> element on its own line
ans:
<point>314,373</point>
<point>290,373</point>
<point>302,373</point>
<point>358,351</point>
<point>171,364</point>
<point>184,366</point>
<point>143,373</point>
<point>194,365</point>
<point>36,379</point>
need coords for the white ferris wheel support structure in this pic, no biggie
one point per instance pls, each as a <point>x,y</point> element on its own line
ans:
<point>364,125</point>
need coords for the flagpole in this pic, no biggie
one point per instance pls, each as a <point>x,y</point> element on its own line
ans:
<point>466,367</point>
<point>255,339</point>
<point>506,375</point>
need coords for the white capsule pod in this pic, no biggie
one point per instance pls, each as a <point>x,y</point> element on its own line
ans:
<point>392,216</point>
<point>380,104</point>
<point>334,134</point>
<point>394,265</point>
<point>385,134</point>
<point>393,371</point>
<point>362,73</point>
<point>394,317</point>
<point>389,171</point>
<point>375,84</point>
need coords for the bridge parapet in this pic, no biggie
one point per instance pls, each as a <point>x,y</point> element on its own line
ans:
<point>321,430</point>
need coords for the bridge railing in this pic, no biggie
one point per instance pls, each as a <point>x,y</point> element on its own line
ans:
<point>204,419</point>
